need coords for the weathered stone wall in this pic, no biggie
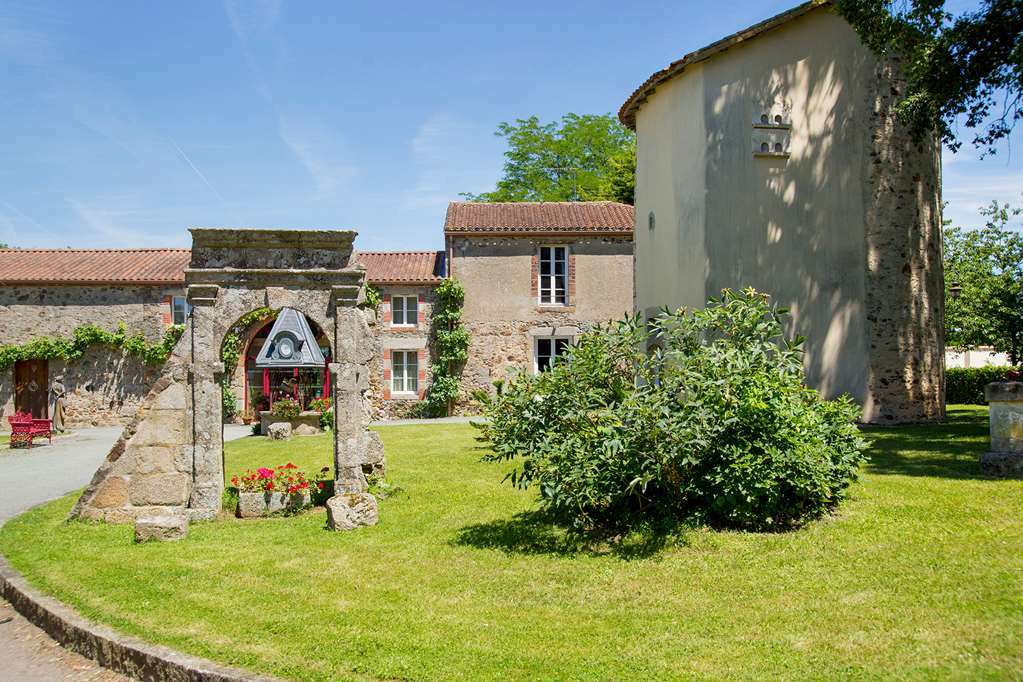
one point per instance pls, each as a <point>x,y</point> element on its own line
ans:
<point>30,311</point>
<point>904,275</point>
<point>502,312</point>
<point>105,386</point>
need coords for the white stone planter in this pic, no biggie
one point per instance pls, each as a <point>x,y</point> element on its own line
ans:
<point>255,505</point>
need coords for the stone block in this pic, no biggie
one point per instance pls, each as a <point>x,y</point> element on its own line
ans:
<point>306,430</point>
<point>159,489</point>
<point>172,397</point>
<point>207,496</point>
<point>156,459</point>
<point>348,511</point>
<point>1002,464</point>
<point>161,528</point>
<point>279,431</point>
<point>112,493</point>
<point>161,427</point>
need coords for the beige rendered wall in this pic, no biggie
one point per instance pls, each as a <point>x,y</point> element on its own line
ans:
<point>501,310</point>
<point>797,227</point>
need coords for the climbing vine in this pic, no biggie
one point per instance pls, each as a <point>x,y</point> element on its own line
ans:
<point>452,345</point>
<point>49,348</point>
<point>230,354</point>
<point>373,298</point>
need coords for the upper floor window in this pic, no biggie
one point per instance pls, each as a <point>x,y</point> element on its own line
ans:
<point>180,310</point>
<point>404,311</point>
<point>553,275</point>
<point>547,350</point>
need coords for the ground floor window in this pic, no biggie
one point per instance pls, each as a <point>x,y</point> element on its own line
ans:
<point>548,349</point>
<point>404,371</point>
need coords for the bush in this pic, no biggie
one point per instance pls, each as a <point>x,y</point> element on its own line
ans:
<point>714,425</point>
<point>965,385</point>
<point>286,408</point>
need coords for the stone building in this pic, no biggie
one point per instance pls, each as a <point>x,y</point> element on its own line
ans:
<point>535,276</point>
<point>772,159</point>
<point>49,293</point>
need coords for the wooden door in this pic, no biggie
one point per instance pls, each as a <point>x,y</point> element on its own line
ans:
<point>31,387</point>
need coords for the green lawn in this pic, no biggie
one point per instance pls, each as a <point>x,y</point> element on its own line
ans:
<point>920,575</point>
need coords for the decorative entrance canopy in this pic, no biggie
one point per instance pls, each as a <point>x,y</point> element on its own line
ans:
<point>291,343</point>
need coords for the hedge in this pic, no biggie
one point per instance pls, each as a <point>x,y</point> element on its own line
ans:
<point>965,385</point>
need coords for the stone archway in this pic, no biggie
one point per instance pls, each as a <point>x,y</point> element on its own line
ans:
<point>170,457</point>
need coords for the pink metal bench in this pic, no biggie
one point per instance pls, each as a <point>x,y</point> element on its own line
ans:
<point>24,428</point>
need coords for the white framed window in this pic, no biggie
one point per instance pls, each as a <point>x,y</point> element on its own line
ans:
<point>553,275</point>
<point>180,310</point>
<point>547,349</point>
<point>404,311</point>
<point>405,371</point>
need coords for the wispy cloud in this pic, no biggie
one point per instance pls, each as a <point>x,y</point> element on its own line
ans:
<point>252,21</point>
<point>451,155</point>
<point>198,172</point>
<point>322,152</point>
<point>121,221</point>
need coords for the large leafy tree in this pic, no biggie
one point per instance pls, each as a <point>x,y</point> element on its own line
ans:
<point>579,158</point>
<point>965,68</point>
<point>985,267</point>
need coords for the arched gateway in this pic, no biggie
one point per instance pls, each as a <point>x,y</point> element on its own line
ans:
<point>170,457</point>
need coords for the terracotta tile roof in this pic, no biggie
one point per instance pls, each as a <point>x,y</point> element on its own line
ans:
<point>563,217</point>
<point>402,267</point>
<point>94,266</point>
<point>167,266</point>
<point>627,113</point>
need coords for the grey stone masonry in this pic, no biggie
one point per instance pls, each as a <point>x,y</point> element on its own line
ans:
<point>170,457</point>
<point>1006,423</point>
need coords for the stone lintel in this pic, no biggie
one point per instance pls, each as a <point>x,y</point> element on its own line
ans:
<point>1007,391</point>
<point>313,278</point>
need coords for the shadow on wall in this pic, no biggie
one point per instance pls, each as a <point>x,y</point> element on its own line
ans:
<point>799,233</point>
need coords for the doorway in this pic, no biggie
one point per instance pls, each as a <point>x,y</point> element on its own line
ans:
<point>31,387</point>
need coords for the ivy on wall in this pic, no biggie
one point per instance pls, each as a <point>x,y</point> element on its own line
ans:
<point>86,335</point>
<point>230,354</point>
<point>452,346</point>
<point>373,298</point>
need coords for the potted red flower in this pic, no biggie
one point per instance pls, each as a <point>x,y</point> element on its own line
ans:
<point>266,491</point>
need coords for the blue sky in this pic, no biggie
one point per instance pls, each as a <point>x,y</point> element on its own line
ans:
<point>125,123</point>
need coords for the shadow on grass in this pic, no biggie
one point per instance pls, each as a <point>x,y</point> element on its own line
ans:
<point>536,532</point>
<point>947,450</point>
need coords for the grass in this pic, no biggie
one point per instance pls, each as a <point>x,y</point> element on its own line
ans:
<point>919,575</point>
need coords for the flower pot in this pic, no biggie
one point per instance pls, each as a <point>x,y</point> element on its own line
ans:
<point>255,505</point>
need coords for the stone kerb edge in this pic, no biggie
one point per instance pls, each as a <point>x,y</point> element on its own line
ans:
<point>107,647</point>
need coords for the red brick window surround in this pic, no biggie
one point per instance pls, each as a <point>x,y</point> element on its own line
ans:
<point>554,273</point>
<point>407,373</point>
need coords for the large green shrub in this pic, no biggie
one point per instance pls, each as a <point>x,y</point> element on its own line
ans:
<point>965,385</point>
<point>713,425</point>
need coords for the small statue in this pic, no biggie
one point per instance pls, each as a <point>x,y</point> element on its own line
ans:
<point>57,403</point>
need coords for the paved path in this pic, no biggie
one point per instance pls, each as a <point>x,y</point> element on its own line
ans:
<point>32,477</point>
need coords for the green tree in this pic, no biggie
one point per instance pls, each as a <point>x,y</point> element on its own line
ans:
<point>986,266</point>
<point>581,158</point>
<point>3,245</point>
<point>966,68</point>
